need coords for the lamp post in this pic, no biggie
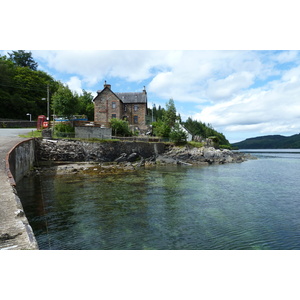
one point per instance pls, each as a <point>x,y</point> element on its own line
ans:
<point>153,106</point>
<point>48,119</point>
<point>28,114</point>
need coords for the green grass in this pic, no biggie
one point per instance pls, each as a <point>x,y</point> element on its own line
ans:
<point>32,134</point>
<point>195,144</point>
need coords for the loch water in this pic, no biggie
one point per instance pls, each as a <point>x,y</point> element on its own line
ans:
<point>249,205</point>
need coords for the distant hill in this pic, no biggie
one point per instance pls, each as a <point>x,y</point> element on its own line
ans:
<point>270,142</point>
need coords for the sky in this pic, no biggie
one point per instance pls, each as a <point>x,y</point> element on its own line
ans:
<point>240,93</point>
<point>231,73</point>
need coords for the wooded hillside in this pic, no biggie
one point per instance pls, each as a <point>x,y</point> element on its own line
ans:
<point>270,142</point>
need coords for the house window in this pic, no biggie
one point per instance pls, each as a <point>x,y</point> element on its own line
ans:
<point>113,116</point>
<point>135,119</point>
<point>113,104</point>
<point>135,108</point>
<point>125,107</point>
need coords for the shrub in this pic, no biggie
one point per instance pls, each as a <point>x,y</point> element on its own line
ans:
<point>177,135</point>
<point>64,127</point>
<point>195,144</point>
<point>161,128</point>
<point>120,127</point>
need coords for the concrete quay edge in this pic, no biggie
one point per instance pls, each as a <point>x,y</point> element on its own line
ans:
<point>15,230</point>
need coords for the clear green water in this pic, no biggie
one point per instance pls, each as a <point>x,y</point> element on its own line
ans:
<point>252,205</point>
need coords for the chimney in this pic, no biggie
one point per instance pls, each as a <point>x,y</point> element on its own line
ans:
<point>107,85</point>
<point>144,90</point>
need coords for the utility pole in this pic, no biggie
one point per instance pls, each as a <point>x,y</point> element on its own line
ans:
<point>153,106</point>
<point>48,119</point>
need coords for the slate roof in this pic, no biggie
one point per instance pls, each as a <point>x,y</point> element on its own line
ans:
<point>132,97</point>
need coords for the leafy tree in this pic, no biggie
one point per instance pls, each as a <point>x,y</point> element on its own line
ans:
<point>201,129</point>
<point>161,128</point>
<point>170,117</point>
<point>65,103</point>
<point>158,113</point>
<point>23,59</point>
<point>86,105</point>
<point>21,90</point>
<point>177,135</point>
<point>166,119</point>
<point>6,84</point>
<point>120,127</point>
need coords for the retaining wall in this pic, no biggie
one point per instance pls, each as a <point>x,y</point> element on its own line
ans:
<point>93,132</point>
<point>15,231</point>
<point>81,151</point>
<point>17,124</point>
<point>20,160</point>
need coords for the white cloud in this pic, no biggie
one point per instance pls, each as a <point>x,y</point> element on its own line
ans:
<point>95,66</point>
<point>237,90</point>
<point>195,76</point>
<point>232,84</point>
<point>75,84</point>
<point>201,76</point>
<point>286,56</point>
<point>273,110</point>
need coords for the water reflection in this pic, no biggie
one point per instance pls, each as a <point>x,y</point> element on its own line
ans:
<point>234,206</point>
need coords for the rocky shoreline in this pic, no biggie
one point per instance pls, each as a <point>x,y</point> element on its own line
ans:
<point>114,161</point>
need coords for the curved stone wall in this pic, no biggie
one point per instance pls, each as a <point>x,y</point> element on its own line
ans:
<point>15,231</point>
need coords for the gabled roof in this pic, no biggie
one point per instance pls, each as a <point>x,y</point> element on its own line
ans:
<point>127,98</point>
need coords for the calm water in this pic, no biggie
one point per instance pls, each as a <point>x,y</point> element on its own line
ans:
<point>252,205</point>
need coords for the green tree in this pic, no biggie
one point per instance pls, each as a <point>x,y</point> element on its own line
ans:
<point>170,116</point>
<point>195,127</point>
<point>65,103</point>
<point>161,128</point>
<point>177,135</point>
<point>201,129</point>
<point>120,127</point>
<point>23,59</point>
<point>165,119</point>
<point>86,105</point>
<point>7,72</point>
<point>21,90</point>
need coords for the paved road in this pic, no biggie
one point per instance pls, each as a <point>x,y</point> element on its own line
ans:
<point>8,138</point>
<point>14,132</point>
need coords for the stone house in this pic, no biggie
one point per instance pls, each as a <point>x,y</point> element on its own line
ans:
<point>126,106</point>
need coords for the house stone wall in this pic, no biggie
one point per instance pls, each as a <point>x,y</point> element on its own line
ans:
<point>104,109</point>
<point>140,113</point>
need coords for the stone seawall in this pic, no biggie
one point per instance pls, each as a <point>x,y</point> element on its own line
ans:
<point>15,231</point>
<point>20,160</point>
<point>120,152</point>
<point>80,151</point>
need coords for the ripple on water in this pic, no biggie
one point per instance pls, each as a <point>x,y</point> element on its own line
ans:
<point>253,205</point>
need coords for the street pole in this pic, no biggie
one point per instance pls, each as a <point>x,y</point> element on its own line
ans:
<point>48,119</point>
